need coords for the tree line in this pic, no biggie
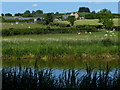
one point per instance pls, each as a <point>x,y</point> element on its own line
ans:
<point>27,13</point>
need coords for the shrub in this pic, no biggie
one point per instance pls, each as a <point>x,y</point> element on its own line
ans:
<point>59,24</point>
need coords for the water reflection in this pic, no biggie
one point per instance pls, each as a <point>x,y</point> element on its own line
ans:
<point>29,75</point>
<point>56,78</point>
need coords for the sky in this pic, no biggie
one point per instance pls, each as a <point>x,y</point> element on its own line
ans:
<point>63,7</point>
<point>60,0</point>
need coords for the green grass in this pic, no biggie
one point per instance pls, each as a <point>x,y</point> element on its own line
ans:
<point>34,25</point>
<point>67,46</point>
<point>24,25</point>
<point>90,22</point>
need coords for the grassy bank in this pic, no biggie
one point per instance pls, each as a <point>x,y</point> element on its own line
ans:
<point>65,46</point>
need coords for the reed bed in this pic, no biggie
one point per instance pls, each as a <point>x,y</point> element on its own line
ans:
<point>34,79</point>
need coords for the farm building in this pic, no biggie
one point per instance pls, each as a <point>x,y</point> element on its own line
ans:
<point>27,18</point>
<point>65,16</point>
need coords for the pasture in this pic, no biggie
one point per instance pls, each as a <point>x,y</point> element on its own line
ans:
<point>24,25</point>
<point>67,46</point>
<point>90,22</point>
<point>35,25</point>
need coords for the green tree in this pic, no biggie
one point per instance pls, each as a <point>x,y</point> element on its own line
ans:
<point>106,18</point>
<point>27,14</point>
<point>8,14</point>
<point>57,13</point>
<point>71,19</point>
<point>18,14</point>
<point>39,12</point>
<point>2,14</point>
<point>84,9</point>
<point>49,18</point>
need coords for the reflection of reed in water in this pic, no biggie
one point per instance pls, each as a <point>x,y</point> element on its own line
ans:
<point>33,79</point>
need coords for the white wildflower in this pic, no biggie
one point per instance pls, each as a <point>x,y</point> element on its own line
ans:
<point>113,33</point>
<point>89,32</point>
<point>110,35</point>
<point>16,22</point>
<point>105,35</point>
<point>29,27</point>
<point>79,33</point>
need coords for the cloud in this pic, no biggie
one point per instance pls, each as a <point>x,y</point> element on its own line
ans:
<point>34,5</point>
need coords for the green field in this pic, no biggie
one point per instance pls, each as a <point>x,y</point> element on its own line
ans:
<point>34,25</point>
<point>60,45</point>
<point>24,25</point>
<point>90,22</point>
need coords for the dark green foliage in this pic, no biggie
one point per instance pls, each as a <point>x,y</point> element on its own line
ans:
<point>39,12</point>
<point>49,18</point>
<point>27,14</point>
<point>2,14</point>
<point>95,27</point>
<point>59,24</point>
<point>8,14</point>
<point>71,19</point>
<point>61,29</point>
<point>84,9</point>
<point>106,18</point>
<point>18,14</point>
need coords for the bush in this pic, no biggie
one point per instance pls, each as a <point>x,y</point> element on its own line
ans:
<point>59,24</point>
<point>96,26</point>
<point>47,30</point>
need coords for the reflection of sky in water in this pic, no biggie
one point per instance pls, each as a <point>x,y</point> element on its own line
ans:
<point>58,72</point>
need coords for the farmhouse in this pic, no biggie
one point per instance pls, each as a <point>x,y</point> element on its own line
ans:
<point>65,16</point>
<point>75,14</point>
